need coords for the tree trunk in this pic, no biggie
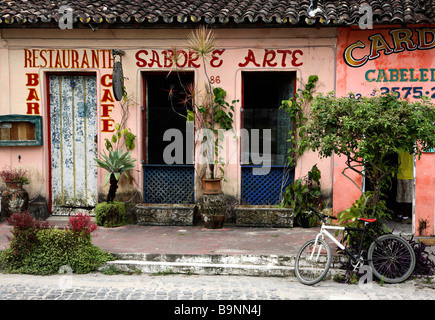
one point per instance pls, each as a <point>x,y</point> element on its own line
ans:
<point>112,190</point>
<point>376,196</point>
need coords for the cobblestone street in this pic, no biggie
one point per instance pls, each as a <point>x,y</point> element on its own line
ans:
<point>97,286</point>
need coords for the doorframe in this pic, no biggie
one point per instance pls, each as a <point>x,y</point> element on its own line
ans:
<point>47,75</point>
<point>364,183</point>
<point>294,73</point>
<point>144,107</point>
<point>144,73</point>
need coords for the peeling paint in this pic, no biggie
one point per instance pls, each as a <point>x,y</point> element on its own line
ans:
<point>73,116</point>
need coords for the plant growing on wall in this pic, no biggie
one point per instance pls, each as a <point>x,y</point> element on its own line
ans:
<point>296,108</point>
<point>367,131</point>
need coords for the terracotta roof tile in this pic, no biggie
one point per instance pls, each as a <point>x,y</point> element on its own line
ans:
<point>330,12</point>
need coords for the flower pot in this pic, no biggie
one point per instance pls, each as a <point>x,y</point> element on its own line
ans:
<point>213,221</point>
<point>211,186</point>
<point>14,199</point>
<point>212,208</point>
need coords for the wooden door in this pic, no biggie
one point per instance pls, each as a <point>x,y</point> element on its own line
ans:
<point>73,130</point>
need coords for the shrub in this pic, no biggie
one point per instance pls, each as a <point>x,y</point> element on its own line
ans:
<point>110,214</point>
<point>14,175</point>
<point>424,264</point>
<point>38,248</point>
<point>24,238</point>
<point>82,223</point>
<point>58,247</point>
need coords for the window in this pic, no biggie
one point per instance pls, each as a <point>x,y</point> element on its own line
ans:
<point>20,130</point>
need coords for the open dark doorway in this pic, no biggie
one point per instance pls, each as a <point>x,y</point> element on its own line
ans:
<point>168,176</point>
<point>262,94</point>
<point>165,105</point>
<point>390,190</point>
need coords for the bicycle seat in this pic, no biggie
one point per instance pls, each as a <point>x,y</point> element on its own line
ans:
<point>370,220</point>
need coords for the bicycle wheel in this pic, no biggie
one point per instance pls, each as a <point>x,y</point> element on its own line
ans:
<point>313,261</point>
<point>391,258</point>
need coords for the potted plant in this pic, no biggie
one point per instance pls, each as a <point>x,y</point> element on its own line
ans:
<point>221,113</point>
<point>213,113</point>
<point>14,197</point>
<point>212,210</point>
<point>116,162</point>
<point>211,116</point>
<point>303,195</point>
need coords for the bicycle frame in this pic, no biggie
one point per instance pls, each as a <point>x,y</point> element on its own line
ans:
<point>324,231</point>
<point>389,257</point>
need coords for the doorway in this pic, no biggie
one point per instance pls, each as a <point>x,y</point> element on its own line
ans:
<point>168,175</point>
<point>390,190</point>
<point>262,93</point>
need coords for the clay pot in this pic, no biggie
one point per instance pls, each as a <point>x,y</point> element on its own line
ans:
<point>213,221</point>
<point>211,186</point>
<point>14,199</point>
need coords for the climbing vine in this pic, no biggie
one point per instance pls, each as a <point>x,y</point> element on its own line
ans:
<point>295,108</point>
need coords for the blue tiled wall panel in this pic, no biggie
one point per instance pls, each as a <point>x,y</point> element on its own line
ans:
<point>168,184</point>
<point>265,188</point>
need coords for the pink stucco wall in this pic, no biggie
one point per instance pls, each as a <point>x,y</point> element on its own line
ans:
<point>37,52</point>
<point>391,58</point>
<point>425,195</point>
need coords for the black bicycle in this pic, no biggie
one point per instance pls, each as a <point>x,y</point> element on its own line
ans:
<point>390,257</point>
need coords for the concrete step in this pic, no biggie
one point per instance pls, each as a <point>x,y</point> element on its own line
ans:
<point>161,268</point>
<point>244,259</point>
<point>208,264</point>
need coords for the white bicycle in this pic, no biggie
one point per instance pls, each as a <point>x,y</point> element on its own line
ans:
<point>390,257</point>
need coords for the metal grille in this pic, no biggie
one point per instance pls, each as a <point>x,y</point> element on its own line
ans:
<point>264,189</point>
<point>168,184</point>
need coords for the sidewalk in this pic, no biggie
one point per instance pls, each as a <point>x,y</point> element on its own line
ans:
<point>195,239</point>
<point>231,250</point>
<point>190,239</point>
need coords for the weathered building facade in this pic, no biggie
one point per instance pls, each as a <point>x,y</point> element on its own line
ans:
<point>56,65</point>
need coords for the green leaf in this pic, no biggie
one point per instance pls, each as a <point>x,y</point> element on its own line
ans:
<point>107,177</point>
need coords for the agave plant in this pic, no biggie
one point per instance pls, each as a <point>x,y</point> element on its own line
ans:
<point>202,41</point>
<point>117,162</point>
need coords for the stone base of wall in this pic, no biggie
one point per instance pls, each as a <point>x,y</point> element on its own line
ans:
<point>263,216</point>
<point>150,214</point>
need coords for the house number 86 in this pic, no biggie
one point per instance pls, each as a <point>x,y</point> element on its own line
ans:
<point>214,79</point>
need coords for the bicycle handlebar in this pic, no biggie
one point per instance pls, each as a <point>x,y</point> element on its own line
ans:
<point>322,215</point>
